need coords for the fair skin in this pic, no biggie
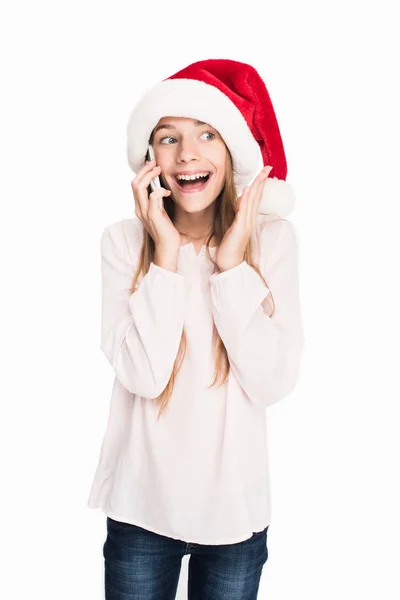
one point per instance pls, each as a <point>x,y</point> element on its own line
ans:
<point>182,144</point>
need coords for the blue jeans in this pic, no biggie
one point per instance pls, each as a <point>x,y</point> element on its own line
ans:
<point>143,565</point>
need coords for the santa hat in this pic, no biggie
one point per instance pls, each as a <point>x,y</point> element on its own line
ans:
<point>231,97</point>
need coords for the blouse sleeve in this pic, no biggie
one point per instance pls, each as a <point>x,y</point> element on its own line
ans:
<point>140,332</point>
<point>264,351</point>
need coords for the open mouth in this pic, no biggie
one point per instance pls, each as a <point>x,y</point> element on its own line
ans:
<point>194,185</point>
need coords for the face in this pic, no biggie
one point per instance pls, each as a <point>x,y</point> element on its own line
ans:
<point>186,146</point>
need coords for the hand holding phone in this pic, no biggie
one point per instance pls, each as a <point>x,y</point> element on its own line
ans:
<point>154,183</point>
<point>159,225</point>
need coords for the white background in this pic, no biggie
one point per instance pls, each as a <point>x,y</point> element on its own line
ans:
<point>71,73</point>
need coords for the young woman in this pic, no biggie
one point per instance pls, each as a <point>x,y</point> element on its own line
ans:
<point>201,323</point>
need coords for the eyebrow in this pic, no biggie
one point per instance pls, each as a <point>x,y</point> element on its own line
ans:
<point>168,126</point>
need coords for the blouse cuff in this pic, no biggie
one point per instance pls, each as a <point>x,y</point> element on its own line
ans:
<point>161,282</point>
<point>154,269</point>
<point>237,291</point>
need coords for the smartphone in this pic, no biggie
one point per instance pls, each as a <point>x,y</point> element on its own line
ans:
<point>154,183</point>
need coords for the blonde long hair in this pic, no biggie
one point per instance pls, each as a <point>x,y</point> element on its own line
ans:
<point>224,217</point>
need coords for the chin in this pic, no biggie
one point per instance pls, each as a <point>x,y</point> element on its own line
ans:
<point>192,205</point>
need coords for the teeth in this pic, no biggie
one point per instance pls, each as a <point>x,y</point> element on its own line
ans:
<point>192,177</point>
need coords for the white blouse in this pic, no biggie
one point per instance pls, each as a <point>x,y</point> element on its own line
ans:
<point>199,473</point>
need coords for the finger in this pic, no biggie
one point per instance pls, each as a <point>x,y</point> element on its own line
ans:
<point>145,175</point>
<point>140,185</point>
<point>249,207</point>
<point>156,200</point>
<point>256,192</point>
<point>241,203</point>
<point>260,179</point>
<point>260,191</point>
<point>148,165</point>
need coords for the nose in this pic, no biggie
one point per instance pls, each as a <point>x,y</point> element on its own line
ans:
<point>187,151</point>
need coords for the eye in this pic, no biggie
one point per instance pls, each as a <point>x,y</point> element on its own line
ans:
<point>209,133</point>
<point>166,138</point>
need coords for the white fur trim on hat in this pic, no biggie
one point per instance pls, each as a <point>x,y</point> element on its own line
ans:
<point>278,197</point>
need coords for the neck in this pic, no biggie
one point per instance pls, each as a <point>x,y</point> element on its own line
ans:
<point>194,226</point>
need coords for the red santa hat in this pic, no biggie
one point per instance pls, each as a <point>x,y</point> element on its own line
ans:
<point>232,97</point>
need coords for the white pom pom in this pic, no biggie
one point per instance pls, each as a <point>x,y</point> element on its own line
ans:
<point>278,197</point>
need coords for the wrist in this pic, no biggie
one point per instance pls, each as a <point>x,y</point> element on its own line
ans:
<point>233,262</point>
<point>168,261</point>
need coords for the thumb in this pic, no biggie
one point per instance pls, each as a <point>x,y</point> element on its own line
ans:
<point>156,197</point>
<point>160,200</point>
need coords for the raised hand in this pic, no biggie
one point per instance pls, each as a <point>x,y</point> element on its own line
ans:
<point>231,249</point>
<point>150,210</point>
